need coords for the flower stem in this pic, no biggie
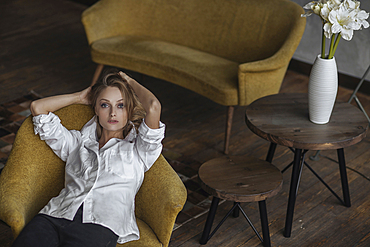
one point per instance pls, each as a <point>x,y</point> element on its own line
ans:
<point>331,54</point>
<point>323,44</point>
<point>332,50</point>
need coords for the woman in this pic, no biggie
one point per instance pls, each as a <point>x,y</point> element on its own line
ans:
<point>105,164</point>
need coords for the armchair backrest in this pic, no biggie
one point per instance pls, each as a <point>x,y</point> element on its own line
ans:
<point>239,30</point>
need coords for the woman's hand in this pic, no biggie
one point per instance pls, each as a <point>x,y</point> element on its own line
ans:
<point>124,76</point>
<point>84,96</point>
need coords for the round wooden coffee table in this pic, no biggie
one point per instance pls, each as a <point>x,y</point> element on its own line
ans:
<point>283,120</point>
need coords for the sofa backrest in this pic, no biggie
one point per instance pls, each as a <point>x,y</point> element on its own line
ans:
<point>239,30</point>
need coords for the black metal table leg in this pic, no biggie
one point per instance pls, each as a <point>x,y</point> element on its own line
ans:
<point>294,182</point>
<point>343,176</point>
<point>211,215</point>
<point>271,152</point>
<point>264,224</point>
<point>236,211</point>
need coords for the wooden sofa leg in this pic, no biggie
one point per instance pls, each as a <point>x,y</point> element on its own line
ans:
<point>97,73</point>
<point>229,122</point>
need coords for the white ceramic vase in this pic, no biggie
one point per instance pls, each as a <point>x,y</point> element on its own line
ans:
<point>322,90</point>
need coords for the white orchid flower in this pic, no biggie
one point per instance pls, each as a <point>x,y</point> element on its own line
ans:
<point>328,7</point>
<point>360,16</point>
<point>325,11</point>
<point>310,7</point>
<point>313,7</point>
<point>340,18</point>
<point>343,22</point>
<point>335,2</point>
<point>327,30</point>
<point>351,4</point>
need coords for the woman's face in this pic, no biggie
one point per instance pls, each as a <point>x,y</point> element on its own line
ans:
<point>111,110</point>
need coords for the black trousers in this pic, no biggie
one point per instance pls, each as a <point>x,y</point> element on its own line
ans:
<point>44,230</point>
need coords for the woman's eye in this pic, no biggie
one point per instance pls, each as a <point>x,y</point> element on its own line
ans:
<point>121,106</point>
<point>104,105</point>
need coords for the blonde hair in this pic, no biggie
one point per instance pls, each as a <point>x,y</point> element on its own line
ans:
<point>135,110</point>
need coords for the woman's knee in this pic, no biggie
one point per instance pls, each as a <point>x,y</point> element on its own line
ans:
<point>38,232</point>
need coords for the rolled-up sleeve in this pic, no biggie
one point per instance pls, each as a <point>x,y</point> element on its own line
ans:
<point>149,143</point>
<point>56,136</point>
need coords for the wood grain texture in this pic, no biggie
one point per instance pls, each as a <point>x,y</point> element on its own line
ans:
<point>240,178</point>
<point>43,48</point>
<point>283,119</point>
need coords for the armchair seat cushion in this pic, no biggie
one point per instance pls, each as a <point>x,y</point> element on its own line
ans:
<point>209,75</point>
<point>147,237</point>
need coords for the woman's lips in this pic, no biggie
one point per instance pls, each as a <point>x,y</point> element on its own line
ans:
<point>112,121</point>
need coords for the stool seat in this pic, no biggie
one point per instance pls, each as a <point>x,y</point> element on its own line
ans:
<point>240,178</point>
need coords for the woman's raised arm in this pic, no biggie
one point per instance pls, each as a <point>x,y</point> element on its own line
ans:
<point>151,104</point>
<point>53,103</point>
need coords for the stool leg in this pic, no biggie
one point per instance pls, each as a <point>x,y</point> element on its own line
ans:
<point>264,223</point>
<point>236,211</point>
<point>293,192</point>
<point>343,176</point>
<point>209,222</point>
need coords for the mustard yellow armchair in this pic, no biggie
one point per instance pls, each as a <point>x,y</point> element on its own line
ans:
<point>34,174</point>
<point>230,51</point>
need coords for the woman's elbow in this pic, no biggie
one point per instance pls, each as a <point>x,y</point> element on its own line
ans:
<point>153,114</point>
<point>155,107</point>
<point>35,108</point>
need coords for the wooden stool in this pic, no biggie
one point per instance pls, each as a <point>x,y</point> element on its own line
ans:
<point>239,179</point>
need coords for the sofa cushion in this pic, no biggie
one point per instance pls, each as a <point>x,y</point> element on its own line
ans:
<point>211,76</point>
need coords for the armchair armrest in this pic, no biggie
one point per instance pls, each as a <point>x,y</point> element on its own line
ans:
<point>33,174</point>
<point>27,183</point>
<point>160,199</point>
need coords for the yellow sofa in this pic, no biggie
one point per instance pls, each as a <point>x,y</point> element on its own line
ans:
<point>34,174</point>
<point>230,51</point>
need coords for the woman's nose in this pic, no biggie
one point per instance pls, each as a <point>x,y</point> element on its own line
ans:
<point>113,113</point>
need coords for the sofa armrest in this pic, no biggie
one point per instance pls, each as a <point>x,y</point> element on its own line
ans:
<point>267,74</point>
<point>263,77</point>
<point>284,54</point>
<point>160,199</point>
<point>274,62</point>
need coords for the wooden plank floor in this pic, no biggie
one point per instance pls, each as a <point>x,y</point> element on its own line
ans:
<point>44,49</point>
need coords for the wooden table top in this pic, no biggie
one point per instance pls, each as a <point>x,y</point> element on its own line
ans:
<point>240,178</point>
<point>283,119</point>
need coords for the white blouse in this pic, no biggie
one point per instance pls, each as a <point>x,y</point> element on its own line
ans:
<point>106,180</point>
